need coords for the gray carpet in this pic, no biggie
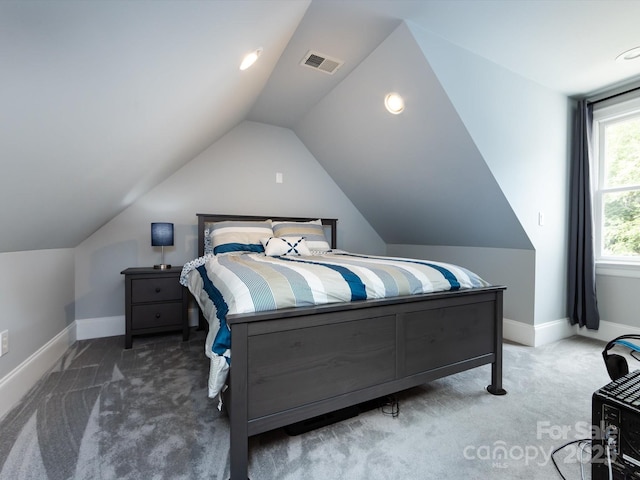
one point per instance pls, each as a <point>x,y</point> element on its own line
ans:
<point>108,413</point>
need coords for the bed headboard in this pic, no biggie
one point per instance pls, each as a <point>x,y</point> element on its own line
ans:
<point>204,219</point>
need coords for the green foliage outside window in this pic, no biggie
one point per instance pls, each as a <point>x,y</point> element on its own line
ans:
<point>622,206</point>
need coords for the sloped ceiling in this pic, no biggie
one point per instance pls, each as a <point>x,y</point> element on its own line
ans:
<point>347,31</point>
<point>100,101</point>
<point>417,177</point>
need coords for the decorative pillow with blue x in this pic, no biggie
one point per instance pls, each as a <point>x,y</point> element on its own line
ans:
<point>276,246</point>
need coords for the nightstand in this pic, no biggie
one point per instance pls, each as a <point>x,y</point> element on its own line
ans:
<point>155,302</point>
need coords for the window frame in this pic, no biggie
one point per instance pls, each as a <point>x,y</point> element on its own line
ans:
<point>609,113</point>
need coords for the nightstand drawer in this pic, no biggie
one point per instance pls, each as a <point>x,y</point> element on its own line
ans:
<point>160,315</point>
<point>155,290</point>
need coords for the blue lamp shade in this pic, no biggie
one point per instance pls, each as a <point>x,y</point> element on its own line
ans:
<point>161,234</point>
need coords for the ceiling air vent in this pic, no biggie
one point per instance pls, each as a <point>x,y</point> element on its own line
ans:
<point>321,62</point>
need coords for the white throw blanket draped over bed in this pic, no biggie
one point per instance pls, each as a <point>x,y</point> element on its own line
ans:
<point>253,282</point>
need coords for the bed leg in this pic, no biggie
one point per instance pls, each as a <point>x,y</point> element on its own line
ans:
<point>238,414</point>
<point>239,452</point>
<point>496,367</point>
<point>496,380</point>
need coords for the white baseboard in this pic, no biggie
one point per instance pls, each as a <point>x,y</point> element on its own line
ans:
<point>553,331</point>
<point>99,327</point>
<point>518,332</point>
<point>607,331</point>
<point>111,326</point>
<point>22,378</point>
<point>537,335</point>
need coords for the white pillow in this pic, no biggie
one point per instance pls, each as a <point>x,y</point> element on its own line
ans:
<point>276,246</point>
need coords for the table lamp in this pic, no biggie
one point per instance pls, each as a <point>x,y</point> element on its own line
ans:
<point>162,236</point>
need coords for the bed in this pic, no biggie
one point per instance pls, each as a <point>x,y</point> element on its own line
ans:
<point>291,364</point>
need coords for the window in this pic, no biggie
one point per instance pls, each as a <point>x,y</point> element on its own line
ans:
<point>616,179</point>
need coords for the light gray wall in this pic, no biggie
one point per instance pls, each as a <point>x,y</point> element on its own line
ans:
<point>477,155</point>
<point>522,130</point>
<point>499,266</point>
<point>36,300</point>
<point>618,299</point>
<point>235,175</point>
<point>418,177</point>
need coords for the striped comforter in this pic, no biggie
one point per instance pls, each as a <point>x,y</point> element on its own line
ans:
<point>252,282</point>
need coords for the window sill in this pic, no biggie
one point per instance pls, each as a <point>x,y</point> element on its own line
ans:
<point>618,269</point>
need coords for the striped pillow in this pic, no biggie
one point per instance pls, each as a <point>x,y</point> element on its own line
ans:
<point>230,236</point>
<point>313,233</point>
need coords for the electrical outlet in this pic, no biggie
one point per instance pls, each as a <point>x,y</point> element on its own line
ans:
<point>4,342</point>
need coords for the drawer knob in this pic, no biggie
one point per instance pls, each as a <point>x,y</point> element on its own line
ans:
<point>157,315</point>
<point>158,289</point>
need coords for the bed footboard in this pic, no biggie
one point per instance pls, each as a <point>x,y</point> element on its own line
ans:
<point>295,364</point>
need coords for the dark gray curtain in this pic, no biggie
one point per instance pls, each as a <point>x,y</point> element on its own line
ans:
<point>583,305</point>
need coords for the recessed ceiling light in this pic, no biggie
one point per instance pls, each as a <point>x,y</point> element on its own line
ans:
<point>629,55</point>
<point>394,103</point>
<point>250,59</point>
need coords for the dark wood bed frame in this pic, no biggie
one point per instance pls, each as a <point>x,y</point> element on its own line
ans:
<point>294,364</point>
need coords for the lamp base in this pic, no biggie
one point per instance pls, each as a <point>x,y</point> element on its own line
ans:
<point>162,266</point>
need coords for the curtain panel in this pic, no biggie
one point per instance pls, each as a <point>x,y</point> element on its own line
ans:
<point>582,300</point>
